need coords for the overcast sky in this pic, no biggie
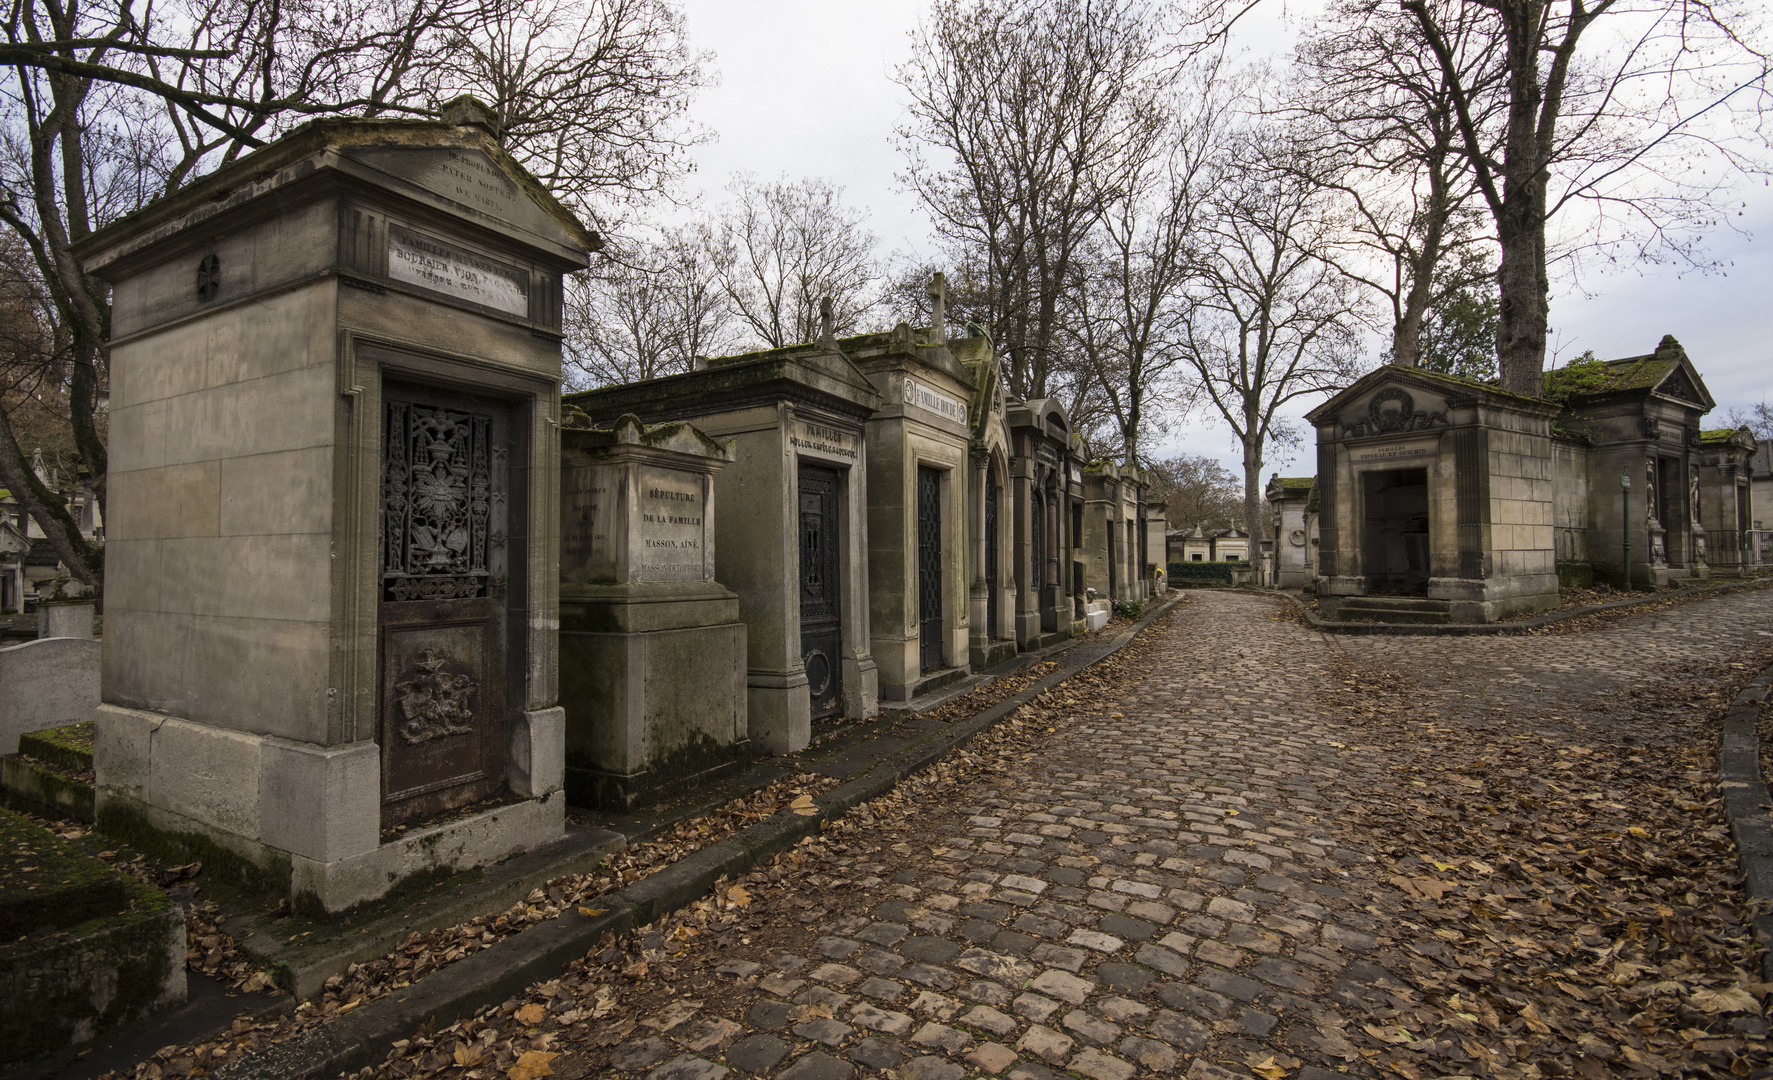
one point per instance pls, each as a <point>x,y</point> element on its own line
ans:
<point>806,90</point>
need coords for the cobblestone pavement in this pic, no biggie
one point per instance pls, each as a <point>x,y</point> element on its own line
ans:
<point>1244,849</point>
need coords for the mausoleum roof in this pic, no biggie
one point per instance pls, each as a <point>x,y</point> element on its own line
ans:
<point>1451,386</point>
<point>347,146</point>
<point>1668,371</point>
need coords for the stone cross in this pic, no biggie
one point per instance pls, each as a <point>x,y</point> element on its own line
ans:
<point>827,322</point>
<point>938,294</point>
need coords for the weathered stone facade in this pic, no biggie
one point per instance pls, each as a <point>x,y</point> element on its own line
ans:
<point>1508,496</point>
<point>332,547</point>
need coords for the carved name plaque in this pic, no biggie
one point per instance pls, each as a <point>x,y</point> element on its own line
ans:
<point>929,399</point>
<point>821,440</point>
<point>668,533</point>
<point>441,267</point>
<point>1388,453</point>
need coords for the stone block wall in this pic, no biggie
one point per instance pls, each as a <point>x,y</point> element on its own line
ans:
<point>221,526</point>
<point>1570,509</point>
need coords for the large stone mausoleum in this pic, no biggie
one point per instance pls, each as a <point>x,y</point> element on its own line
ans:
<point>332,557</point>
<point>1444,499</point>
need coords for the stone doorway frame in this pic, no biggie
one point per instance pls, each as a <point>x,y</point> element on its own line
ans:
<point>366,363</point>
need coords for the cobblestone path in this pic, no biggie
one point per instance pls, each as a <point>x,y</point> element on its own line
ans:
<point>1254,851</point>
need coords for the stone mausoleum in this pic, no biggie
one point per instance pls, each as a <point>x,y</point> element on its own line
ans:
<point>1442,499</point>
<point>333,535</point>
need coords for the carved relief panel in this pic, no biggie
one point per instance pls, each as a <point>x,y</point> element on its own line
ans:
<point>444,582</point>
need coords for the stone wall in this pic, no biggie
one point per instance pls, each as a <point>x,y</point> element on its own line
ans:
<point>1570,508</point>
<point>44,684</point>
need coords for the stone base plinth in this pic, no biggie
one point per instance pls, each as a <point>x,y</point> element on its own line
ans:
<point>282,815</point>
<point>654,682</point>
<point>988,654</point>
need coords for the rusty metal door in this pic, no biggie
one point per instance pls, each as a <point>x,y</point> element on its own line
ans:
<point>446,510</point>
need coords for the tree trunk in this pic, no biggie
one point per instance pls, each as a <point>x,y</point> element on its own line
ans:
<point>47,509</point>
<point>1252,441</point>
<point>1406,336</point>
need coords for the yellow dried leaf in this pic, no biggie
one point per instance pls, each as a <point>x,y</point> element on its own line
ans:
<point>532,1065</point>
<point>1265,1067</point>
<point>1734,999</point>
<point>1637,830</point>
<point>531,1015</point>
<point>738,896</point>
<point>803,806</point>
<point>467,1055</point>
<point>592,912</point>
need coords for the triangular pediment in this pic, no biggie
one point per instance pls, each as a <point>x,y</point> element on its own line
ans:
<point>1681,385</point>
<point>471,180</point>
<point>1390,400</point>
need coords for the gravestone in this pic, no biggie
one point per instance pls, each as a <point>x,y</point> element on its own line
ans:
<point>331,561</point>
<point>652,652</point>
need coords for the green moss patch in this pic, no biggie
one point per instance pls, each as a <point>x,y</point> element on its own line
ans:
<point>47,885</point>
<point>66,748</point>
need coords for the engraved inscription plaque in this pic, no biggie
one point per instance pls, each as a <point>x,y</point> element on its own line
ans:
<point>463,176</point>
<point>668,540</point>
<point>441,267</point>
<point>588,498</point>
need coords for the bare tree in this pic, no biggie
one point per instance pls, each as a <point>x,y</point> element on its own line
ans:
<point>1199,491</point>
<point>1757,418</point>
<point>648,310</point>
<point>1605,104</point>
<point>591,95</point>
<point>784,246</point>
<point>1029,108</point>
<point>110,107</point>
<point>1377,114</point>
<point>1271,318</point>
<point>1126,308</point>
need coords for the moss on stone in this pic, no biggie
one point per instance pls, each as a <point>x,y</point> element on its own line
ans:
<point>66,748</point>
<point>46,884</point>
<point>117,819</point>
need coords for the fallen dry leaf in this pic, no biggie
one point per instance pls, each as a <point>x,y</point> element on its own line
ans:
<point>532,1065</point>
<point>531,1015</point>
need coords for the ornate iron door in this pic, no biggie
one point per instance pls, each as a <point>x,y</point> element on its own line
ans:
<point>821,631</point>
<point>929,568</point>
<point>990,555</point>
<point>444,582</point>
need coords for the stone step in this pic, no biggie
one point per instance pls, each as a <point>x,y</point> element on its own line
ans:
<point>1398,609</point>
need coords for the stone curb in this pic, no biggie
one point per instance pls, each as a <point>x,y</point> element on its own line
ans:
<point>1747,804</point>
<point>1465,629</point>
<point>363,1036</point>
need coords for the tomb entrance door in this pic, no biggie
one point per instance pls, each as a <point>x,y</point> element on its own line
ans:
<point>821,633</point>
<point>446,482</point>
<point>1395,547</point>
<point>929,568</point>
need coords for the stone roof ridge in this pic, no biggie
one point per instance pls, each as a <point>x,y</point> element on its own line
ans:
<point>1668,371</point>
<point>321,144</point>
<point>1451,385</point>
<point>676,436</point>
